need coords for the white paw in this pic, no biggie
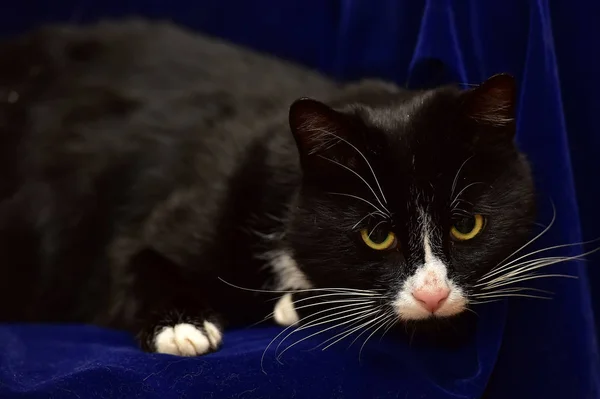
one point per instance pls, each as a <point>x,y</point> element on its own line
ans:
<point>214,334</point>
<point>188,340</point>
<point>285,313</point>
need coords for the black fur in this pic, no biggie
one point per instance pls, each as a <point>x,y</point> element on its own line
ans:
<point>140,163</point>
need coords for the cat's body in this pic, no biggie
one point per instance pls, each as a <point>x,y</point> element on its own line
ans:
<point>142,167</point>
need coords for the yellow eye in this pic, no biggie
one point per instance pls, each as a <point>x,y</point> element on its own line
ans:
<point>467,228</point>
<point>378,241</point>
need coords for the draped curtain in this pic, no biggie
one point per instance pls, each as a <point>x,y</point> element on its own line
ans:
<point>523,348</point>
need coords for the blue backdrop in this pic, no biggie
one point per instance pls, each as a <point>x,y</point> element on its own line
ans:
<point>523,348</point>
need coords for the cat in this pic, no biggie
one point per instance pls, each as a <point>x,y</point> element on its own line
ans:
<point>169,184</point>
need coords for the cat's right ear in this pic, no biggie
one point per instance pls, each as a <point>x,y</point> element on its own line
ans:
<point>493,103</point>
<point>322,134</point>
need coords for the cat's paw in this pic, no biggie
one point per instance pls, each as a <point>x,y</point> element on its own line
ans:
<point>285,313</point>
<point>188,339</point>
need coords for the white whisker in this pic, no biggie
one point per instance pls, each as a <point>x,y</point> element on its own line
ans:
<point>366,160</point>
<point>322,331</point>
<point>457,175</point>
<point>511,290</point>
<point>528,242</point>
<point>368,215</point>
<point>528,266</point>
<point>366,329</point>
<point>358,198</point>
<point>375,228</point>
<point>346,333</point>
<point>527,278</point>
<point>390,324</point>
<point>361,178</point>
<point>522,268</point>
<point>351,291</point>
<point>329,318</point>
<point>513,295</point>
<point>292,326</point>
<point>358,296</point>
<point>508,271</point>
<point>378,326</point>
<point>349,330</point>
<point>509,267</point>
<point>463,190</point>
<point>484,302</point>
<point>354,302</point>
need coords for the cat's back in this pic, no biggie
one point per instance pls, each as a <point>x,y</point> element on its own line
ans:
<point>87,99</point>
<point>100,124</point>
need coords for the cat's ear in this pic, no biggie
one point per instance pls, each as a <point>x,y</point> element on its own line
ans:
<point>321,133</point>
<point>493,103</point>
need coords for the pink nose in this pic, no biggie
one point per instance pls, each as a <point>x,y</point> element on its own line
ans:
<point>431,300</point>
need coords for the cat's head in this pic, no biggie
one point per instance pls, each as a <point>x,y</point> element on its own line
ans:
<point>415,195</point>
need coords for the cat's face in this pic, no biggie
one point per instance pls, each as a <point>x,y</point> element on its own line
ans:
<point>416,197</point>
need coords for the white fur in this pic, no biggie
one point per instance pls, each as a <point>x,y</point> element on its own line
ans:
<point>288,274</point>
<point>213,334</point>
<point>432,275</point>
<point>187,340</point>
<point>285,313</point>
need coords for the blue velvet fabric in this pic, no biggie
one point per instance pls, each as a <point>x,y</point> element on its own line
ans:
<point>522,349</point>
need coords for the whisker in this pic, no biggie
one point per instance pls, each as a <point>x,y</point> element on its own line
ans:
<point>513,295</point>
<point>329,318</point>
<point>375,228</point>
<point>534,264</point>
<point>471,310</point>
<point>484,302</point>
<point>370,214</point>
<point>361,199</point>
<point>322,331</point>
<point>508,265</point>
<point>366,160</point>
<point>351,291</point>
<point>360,177</point>
<point>348,300</point>
<point>292,326</point>
<point>457,175</point>
<point>459,200</point>
<point>526,278</point>
<point>508,270</point>
<point>367,329</point>
<point>345,333</point>
<point>391,323</point>
<point>516,289</point>
<point>348,330</point>
<point>360,295</point>
<point>528,242</point>
<point>463,190</point>
<point>378,326</point>
<point>524,268</point>
<point>369,299</point>
<point>353,302</point>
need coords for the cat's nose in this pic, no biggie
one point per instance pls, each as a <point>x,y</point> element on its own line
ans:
<point>430,299</point>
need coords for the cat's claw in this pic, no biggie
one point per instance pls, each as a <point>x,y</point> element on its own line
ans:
<point>188,340</point>
<point>285,312</point>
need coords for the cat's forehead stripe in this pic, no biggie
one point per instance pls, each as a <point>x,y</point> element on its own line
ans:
<point>427,238</point>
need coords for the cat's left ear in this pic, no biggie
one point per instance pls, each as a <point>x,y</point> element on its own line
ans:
<point>322,134</point>
<point>493,104</point>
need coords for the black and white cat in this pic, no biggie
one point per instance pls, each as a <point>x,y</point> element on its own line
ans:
<point>145,172</point>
